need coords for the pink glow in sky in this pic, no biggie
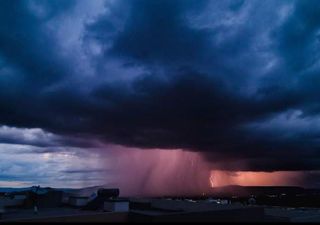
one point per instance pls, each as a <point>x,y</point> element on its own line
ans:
<point>159,172</point>
<point>244,178</point>
<point>176,172</point>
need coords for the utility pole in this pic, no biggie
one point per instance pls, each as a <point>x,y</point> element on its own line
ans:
<point>35,208</point>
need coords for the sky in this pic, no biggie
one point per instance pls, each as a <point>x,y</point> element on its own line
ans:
<point>161,96</point>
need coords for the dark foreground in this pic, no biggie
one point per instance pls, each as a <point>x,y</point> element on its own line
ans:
<point>229,204</point>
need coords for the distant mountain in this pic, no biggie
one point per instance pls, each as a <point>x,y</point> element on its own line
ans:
<point>86,191</point>
<point>9,190</point>
<point>41,190</point>
<point>236,190</point>
<point>227,191</point>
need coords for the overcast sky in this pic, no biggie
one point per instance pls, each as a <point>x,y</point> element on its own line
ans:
<point>234,81</point>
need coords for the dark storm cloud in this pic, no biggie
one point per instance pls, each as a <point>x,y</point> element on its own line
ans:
<point>158,33</point>
<point>39,138</point>
<point>86,171</point>
<point>299,37</point>
<point>30,57</point>
<point>223,78</point>
<point>23,43</point>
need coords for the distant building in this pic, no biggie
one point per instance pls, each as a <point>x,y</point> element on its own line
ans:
<point>116,206</point>
<point>6,202</point>
<point>78,201</point>
<point>103,195</point>
<point>252,201</point>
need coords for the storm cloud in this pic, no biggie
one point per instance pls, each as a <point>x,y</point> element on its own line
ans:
<point>235,80</point>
